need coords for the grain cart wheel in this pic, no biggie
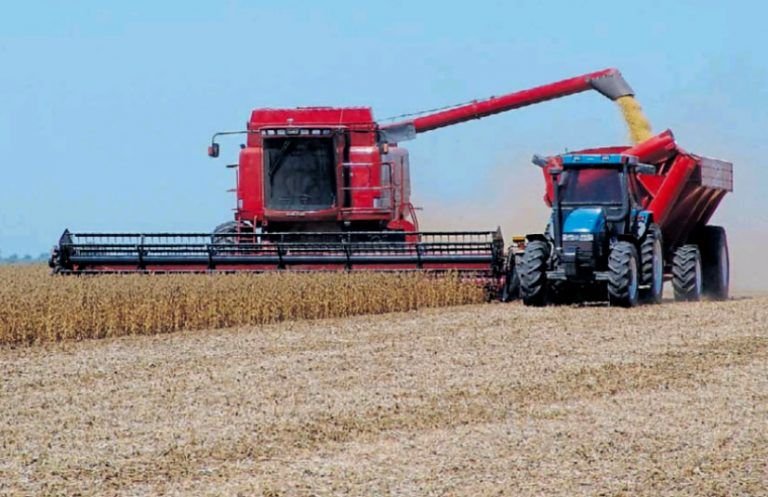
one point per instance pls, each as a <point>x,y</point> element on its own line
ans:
<point>511,286</point>
<point>624,275</point>
<point>652,266</point>
<point>687,277</point>
<point>715,262</point>
<point>533,273</point>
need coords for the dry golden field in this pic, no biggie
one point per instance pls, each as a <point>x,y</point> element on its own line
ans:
<point>35,306</point>
<point>472,400</point>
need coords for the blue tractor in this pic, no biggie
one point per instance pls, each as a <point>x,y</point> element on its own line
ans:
<point>600,243</point>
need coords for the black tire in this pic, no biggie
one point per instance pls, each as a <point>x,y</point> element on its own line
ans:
<point>559,292</point>
<point>533,273</point>
<point>652,266</point>
<point>715,262</point>
<point>624,275</point>
<point>687,277</point>
<point>228,232</point>
<point>510,289</point>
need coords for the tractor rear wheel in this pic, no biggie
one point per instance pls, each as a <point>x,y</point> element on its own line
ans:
<point>652,266</point>
<point>533,273</point>
<point>510,289</point>
<point>687,277</point>
<point>624,277</point>
<point>715,262</point>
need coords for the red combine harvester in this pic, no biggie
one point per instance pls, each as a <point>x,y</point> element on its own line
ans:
<point>623,220</point>
<point>323,188</point>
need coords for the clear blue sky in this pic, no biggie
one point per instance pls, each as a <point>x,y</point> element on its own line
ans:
<point>107,106</point>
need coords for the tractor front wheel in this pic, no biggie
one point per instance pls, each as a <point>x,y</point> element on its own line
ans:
<point>533,273</point>
<point>652,266</point>
<point>687,278</point>
<point>623,278</point>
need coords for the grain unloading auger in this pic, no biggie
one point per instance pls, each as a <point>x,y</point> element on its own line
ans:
<point>322,188</point>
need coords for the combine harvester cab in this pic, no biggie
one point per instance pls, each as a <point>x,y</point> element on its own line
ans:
<point>322,188</point>
<point>624,219</point>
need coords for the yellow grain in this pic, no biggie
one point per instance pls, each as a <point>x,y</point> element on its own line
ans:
<point>638,125</point>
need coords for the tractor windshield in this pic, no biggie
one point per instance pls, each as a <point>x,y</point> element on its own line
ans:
<point>591,186</point>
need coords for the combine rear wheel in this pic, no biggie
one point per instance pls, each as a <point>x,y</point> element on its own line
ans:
<point>687,278</point>
<point>652,266</point>
<point>715,262</point>
<point>624,277</point>
<point>533,273</point>
<point>511,286</point>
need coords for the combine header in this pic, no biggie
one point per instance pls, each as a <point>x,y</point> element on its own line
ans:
<point>623,220</point>
<point>322,188</point>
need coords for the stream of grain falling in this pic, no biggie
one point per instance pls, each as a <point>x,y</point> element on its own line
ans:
<point>639,127</point>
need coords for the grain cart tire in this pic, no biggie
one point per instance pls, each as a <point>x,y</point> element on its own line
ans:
<point>510,289</point>
<point>533,273</point>
<point>687,274</point>
<point>652,266</point>
<point>624,275</point>
<point>715,262</point>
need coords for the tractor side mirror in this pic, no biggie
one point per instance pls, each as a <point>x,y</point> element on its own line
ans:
<point>539,160</point>
<point>213,150</point>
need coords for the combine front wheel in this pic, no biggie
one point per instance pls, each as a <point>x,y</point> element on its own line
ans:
<point>225,233</point>
<point>687,277</point>
<point>533,273</point>
<point>623,280</point>
<point>652,266</point>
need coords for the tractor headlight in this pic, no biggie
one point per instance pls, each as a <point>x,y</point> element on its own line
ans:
<point>578,237</point>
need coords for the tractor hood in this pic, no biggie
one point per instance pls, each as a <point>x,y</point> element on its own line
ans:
<point>584,220</point>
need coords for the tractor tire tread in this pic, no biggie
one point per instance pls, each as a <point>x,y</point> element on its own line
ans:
<point>532,273</point>
<point>620,274</point>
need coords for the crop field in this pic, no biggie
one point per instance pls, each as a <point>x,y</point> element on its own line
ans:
<point>481,399</point>
<point>36,307</point>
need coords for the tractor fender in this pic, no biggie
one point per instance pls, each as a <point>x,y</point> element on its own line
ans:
<point>627,237</point>
<point>536,236</point>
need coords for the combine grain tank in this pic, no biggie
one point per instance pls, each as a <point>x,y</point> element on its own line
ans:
<point>623,220</point>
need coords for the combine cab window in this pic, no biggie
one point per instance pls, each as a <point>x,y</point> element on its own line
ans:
<point>592,187</point>
<point>299,173</point>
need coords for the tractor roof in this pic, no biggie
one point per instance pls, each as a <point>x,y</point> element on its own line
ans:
<point>599,160</point>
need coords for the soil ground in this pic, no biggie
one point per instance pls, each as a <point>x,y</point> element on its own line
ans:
<point>474,400</point>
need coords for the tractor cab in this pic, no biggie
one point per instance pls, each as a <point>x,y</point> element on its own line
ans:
<point>597,227</point>
<point>595,195</point>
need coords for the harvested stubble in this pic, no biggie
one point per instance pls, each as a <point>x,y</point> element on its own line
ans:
<point>481,400</point>
<point>35,306</point>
